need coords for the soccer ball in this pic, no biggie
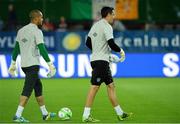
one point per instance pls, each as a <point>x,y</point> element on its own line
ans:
<point>114,58</point>
<point>65,113</point>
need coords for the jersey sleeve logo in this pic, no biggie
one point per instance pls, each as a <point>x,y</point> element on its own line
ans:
<point>98,79</point>
<point>94,34</point>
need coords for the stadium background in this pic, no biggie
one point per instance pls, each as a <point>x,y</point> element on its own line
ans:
<point>147,82</point>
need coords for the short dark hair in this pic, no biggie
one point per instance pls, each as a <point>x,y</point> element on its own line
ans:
<point>34,13</point>
<point>105,10</point>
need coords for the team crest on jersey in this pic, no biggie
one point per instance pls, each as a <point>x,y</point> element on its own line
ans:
<point>98,79</point>
<point>94,34</point>
<point>24,40</point>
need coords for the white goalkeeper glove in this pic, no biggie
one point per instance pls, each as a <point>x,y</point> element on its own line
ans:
<point>52,70</point>
<point>122,54</point>
<point>12,69</point>
<point>114,58</point>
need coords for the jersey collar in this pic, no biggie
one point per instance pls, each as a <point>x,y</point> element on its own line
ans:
<point>105,21</point>
<point>34,25</point>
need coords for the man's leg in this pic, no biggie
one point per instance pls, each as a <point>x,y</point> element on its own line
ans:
<point>39,97</point>
<point>89,101</point>
<point>23,101</point>
<point>113,98</point>
<point>112,94</point>
<point>30,80</point>
<point>40,100</point>
<point>46,115</point>
<point>91,95</point>
<point>114,101</point>
<point>96,81</point>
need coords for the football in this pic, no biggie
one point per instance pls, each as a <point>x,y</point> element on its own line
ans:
<point>65,113</point>
<point>114,58</point>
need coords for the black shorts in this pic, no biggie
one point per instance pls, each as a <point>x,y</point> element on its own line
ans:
<point>101,73</point>
<point>32,81</point>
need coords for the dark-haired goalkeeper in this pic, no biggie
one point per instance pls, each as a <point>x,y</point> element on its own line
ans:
<point>100,40</point>
<point>30,45</point>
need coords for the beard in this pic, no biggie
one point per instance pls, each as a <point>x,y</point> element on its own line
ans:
<point>40,25</point>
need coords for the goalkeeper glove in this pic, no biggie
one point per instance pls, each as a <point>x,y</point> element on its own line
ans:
<point>52,70</point>
<point>12,69</point>
<point>122,54</point>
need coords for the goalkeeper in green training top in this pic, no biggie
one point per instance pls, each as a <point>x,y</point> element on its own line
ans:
<point>30,45</point>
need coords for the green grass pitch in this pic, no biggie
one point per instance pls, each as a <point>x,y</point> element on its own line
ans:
<point>152,100</point>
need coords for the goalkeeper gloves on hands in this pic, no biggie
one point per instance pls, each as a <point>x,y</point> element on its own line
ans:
<point>114,58</point>
<point>12,69</point>
<point>52,70</point>
<point>122,54</point>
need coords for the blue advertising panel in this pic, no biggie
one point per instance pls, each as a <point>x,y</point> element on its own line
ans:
<point>130,41</point>
<point>7,41</point>
<point>78,66</point>
<point>151,41</point>
<point>71,42</point>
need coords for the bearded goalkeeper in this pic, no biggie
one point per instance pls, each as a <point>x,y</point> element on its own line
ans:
<point>30,45</point>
